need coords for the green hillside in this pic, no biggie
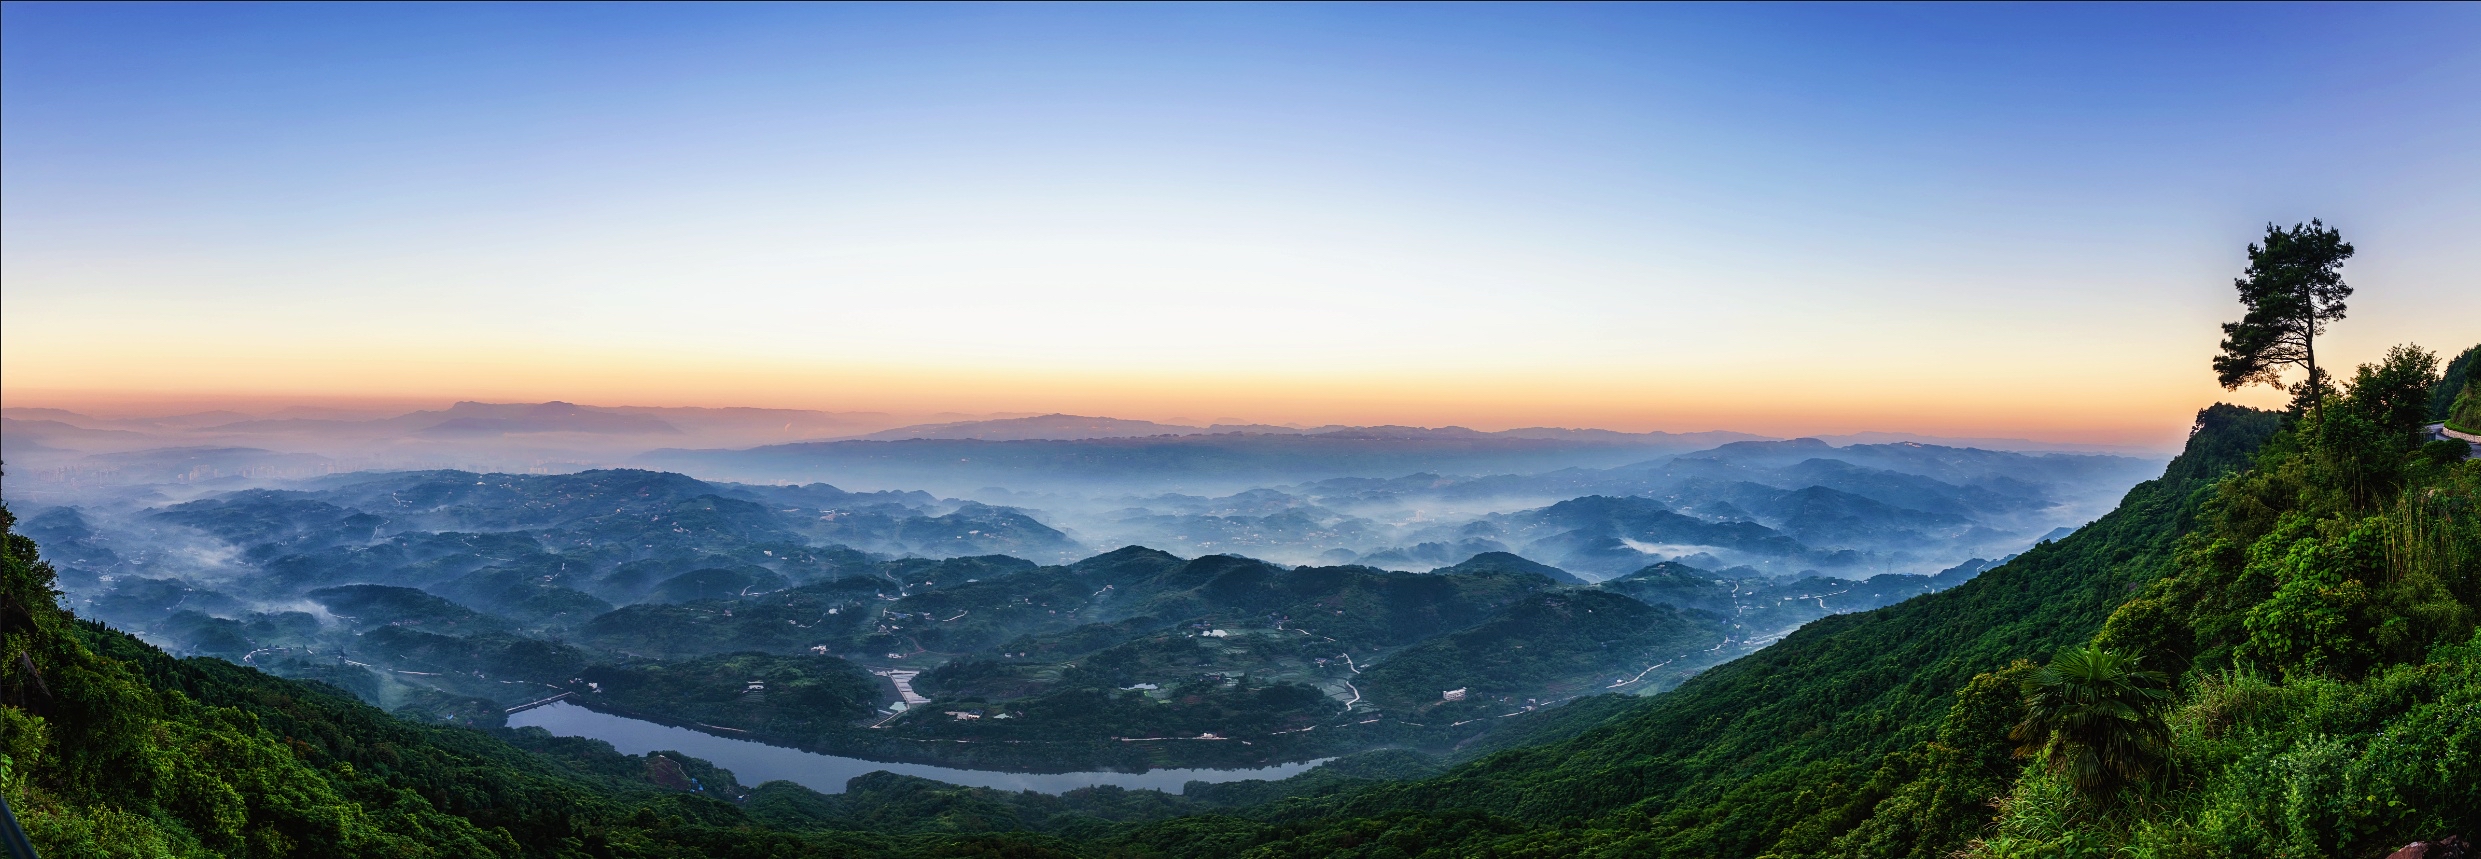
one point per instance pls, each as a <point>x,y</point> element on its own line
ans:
<point>2309,583</point>
<point>1792,745</point>
<point>2453,381</point>
<point>2465,414</point>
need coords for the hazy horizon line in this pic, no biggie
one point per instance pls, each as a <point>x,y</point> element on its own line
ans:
<point>347,407</point>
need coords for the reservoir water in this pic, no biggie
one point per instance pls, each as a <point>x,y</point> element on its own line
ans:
<point>757,763</point>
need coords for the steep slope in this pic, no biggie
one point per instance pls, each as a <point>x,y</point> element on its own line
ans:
<point>2452,382</point>
<point>2465,415</point>
<point>1782,750</point>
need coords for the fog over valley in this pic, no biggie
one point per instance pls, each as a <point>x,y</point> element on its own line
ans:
<point>835,579</point>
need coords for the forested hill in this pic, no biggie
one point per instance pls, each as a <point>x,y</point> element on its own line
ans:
<point>1886,733</point>
<point>1785,749</point>
<point>110,748</point>
<point>2306,584</point>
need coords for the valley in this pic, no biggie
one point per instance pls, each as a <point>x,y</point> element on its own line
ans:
<point>1701,633</point>
<point>527,430</point>
<point>787,613</point>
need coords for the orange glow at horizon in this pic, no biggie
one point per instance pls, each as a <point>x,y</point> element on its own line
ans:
<point>1622,217</point>
<point>2142,412</point>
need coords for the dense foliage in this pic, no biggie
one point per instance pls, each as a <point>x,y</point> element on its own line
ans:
<point>2453,383</point>
<point>2293,287</point>
<point>2091,714</point>
<point>2325,617</point>
<point>2270,651</point>
<point>2464,414</point>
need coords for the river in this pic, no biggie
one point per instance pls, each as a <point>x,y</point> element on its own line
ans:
<point>757,763</point>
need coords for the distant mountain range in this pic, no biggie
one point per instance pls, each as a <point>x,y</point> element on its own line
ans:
<point>64,455</point>
<point>1060,427</point>
<point>1187,463</point>
<point>1598,509</point>
<point>1388,496</point>
<point>1064,427</point>
<point>51,425</point>
<point>57,446</point>
<point>444,594</point>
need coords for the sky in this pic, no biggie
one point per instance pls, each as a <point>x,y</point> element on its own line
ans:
<point>1969,220</point>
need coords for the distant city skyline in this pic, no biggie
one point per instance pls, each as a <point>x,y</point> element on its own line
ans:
<point>2015,221</point>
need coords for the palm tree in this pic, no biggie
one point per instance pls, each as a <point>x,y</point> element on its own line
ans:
<point>2092,711</point>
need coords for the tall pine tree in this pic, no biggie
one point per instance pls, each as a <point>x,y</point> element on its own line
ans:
<point>2293,287</point>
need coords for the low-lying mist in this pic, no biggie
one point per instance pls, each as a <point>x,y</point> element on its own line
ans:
<point>1390,497</point>
<point>455,564</point>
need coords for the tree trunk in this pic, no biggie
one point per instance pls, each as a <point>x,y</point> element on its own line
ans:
<point>2317,383</point>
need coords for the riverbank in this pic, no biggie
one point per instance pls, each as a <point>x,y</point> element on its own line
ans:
<point>756,763</point>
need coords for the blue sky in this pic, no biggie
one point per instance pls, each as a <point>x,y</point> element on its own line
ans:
<point>1784,217</point>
